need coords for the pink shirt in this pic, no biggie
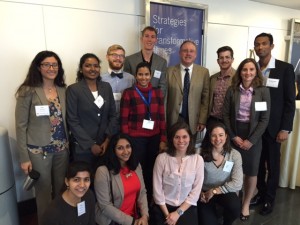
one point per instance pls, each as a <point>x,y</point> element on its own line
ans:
<point>175,183</point>
<point>245,104</point>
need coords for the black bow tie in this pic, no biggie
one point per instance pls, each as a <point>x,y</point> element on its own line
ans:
<point>120,75</point>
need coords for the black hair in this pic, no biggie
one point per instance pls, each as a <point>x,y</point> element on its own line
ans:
<point>141,65</point>
<point>82,61</point>
<point>111,160</point>
<point>269,36</point>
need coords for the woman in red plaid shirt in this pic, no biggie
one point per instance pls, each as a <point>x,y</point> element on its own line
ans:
<point>143,118</point>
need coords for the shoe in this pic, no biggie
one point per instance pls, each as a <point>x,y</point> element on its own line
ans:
<point>243,217</point>
<point>256,200</point>
<point>266,209</point>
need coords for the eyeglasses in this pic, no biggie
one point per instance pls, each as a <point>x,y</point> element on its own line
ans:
<point>225,58</point>
<point>114,55</point>
<point>90,66</point>
<point>49,65</point>
<point>121,147</point>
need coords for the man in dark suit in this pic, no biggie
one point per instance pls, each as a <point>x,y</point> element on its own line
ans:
<point>280,79</point>
<point>196,110</point>
<point>158,64</point>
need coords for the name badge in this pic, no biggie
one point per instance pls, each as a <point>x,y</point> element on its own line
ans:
<point>148,124</point>
<point>157,74</point>
<point>42,110</point>
<point>272,82</point>
<point>99,101</point>
<point>228,166</point>
<point>260,106</point>
<point>81,208</point>
<point>117,96</point>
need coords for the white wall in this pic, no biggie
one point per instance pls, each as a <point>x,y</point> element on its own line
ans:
<point>74,27</point>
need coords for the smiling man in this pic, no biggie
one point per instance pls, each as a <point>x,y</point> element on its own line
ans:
<point>158,64</point>
<point>188,90</point>
<point>115,76</point>
<point>219,84</point>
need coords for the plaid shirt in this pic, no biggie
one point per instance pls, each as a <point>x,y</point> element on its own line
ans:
<point>134,111</point>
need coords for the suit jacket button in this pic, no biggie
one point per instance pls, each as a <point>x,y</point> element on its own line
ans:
<point>98,114</point>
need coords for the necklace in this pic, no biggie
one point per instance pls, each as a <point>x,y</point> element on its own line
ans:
<point>126,172</point>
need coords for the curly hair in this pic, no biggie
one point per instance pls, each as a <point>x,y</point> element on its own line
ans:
<point>34,77</point>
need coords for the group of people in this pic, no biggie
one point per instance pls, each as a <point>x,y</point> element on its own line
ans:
<point>131,135</point>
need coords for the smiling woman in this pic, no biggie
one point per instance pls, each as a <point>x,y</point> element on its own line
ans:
<point>76,205</point>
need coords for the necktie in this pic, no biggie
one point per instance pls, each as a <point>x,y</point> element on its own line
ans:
<point>120,75</point>
<point>185,101</point>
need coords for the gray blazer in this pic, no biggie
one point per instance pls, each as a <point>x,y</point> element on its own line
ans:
<point>105,210</point>
<point>87,123</point>
<point>31,129</point>
<point>158,63</point>
<point>258,119</point>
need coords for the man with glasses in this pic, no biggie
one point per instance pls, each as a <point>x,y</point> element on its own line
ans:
<point>115,76</point>
<point>219,84</point>
<point>158,64</point>
<point>188,90</point>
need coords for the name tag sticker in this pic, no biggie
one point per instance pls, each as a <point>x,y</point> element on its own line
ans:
<point>272,82</point>
<point>81,208</point>
<point>157,74</point>
<point>228,166</point>
<point>117,96</point>
<point>148,124</point>
<point>260,106</point>
<point>99,101</point>
<point>42,110</point>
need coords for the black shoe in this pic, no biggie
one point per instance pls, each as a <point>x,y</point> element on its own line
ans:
<point>266,209</point>
<point>256,200</point>
<point>243,217</point>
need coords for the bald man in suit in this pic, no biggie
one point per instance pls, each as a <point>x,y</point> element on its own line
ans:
<point>198,94</point>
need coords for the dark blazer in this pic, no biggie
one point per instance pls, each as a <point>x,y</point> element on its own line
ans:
<point>282,98</point>
<point>31,129</point>
<point>87,123</point>
<point>158,63</point>
<point>258,119</point>
<point>198,96</point>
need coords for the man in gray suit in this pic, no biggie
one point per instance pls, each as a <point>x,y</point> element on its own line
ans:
<point>195,78</point>
<point>158,64</point>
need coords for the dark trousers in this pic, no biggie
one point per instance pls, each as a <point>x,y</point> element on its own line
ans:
<point>269,168</point>
<point>188,218</point>
<point>146,150</point>
<point>230,204</point>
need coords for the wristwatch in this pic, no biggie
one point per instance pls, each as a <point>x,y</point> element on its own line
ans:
<point>215,192</point>
<point>180,211</point>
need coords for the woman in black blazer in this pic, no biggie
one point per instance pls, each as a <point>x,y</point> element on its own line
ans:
<point>91,111</point>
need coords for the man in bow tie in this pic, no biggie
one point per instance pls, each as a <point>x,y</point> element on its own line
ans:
<point>115,76</point>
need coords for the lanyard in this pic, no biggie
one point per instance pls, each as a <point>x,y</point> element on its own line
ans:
<point>147,103</point>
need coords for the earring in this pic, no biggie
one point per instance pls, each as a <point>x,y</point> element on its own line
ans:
<point>68,187</point>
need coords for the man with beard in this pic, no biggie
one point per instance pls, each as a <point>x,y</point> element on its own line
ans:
<point>219,82</point>
<point>118,79</point>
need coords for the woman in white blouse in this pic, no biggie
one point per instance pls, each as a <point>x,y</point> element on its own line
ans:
<point>177,179</point>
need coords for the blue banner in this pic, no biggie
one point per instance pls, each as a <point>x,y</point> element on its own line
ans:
<point>174,25</point>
